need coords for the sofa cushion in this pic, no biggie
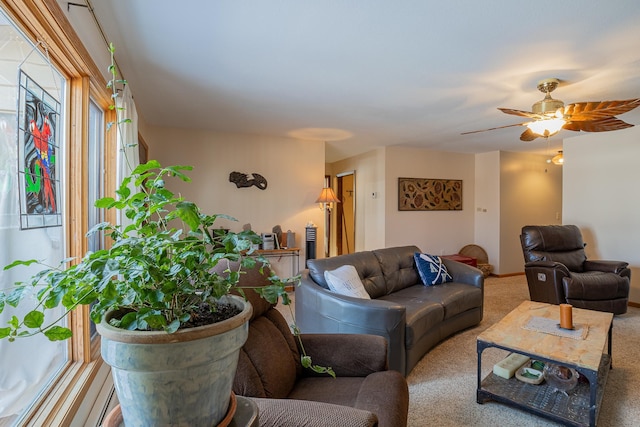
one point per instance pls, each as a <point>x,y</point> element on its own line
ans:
<point>345,281</point>
<point>422,314</point>
<point>431,269</point>
<point>398,268</point>
<point>558,243</point>
<point>273,349</point>
<point>455,297</point>
<point>365,263</point>
<point>303,413</point>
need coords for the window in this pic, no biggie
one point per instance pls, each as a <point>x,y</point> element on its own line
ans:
<point>95,164</point>
<point>28,365</point>
<point>96,171</point>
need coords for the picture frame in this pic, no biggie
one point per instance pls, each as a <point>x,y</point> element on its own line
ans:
<point>427,194</point>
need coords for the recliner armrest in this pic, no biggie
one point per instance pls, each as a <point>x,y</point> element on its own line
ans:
<point>349,355</point>
<point>548,264</point>
<point>605,265</point>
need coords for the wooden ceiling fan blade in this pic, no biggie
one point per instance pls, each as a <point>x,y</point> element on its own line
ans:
<point>601,125</point>
<point>499,127</point>
<point>581,111</point>
<point>528,135</point>
<point>521,113</point>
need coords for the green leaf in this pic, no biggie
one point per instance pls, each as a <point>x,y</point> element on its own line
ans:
<point>5,332</point>
<point>14,322</point>
<point>16,295</point>
<point>145,167</point>
<point>58,333</point>
<point>156,321</point>
<point>305,361</point>
<point>34,319</point>
<point>25,263</point>
<point>104,203</point>
<point>189,213</point>
<point>173,326</point>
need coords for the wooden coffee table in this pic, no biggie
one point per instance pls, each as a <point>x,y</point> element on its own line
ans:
<point>590,356</point>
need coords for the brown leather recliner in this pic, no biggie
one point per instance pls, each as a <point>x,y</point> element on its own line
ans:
<point>558,271</point>
<point>364,393</point>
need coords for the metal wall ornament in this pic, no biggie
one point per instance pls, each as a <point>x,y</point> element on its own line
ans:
<point>241,180</point>
<point>423,194</point>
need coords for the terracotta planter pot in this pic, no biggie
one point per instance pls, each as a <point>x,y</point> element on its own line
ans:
<point>114,418</point>
<point>179,379</point>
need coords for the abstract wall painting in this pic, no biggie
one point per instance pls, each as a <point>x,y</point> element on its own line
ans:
<point>38,136</point>
<point>422,194</point>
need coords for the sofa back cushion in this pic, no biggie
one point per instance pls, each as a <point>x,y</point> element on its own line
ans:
<point>269,362</point>
<point>398,267</point>
<point>365,263</point>
<point>345,280</point>
<point>558,243</point>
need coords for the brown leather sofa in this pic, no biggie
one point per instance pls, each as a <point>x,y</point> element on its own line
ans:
<point>364,393</point>
<point>558,271</point>
<point>412,317</point>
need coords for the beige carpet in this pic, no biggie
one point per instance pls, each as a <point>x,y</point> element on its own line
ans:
<point>442,387</point>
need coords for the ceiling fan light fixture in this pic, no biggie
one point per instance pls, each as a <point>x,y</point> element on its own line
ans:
<point>558,159</point>
<point>546,127</point>
<point>547,106</point>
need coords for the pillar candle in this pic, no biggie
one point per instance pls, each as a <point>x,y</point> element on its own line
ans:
<point>566,316</point>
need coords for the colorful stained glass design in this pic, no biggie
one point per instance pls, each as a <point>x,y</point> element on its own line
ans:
<point>38,124</point>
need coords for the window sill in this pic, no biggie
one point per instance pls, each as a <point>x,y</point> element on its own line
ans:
<point>73,398</point>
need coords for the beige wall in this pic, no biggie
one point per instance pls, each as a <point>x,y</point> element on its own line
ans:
<point>601,196</point>
<point>530,193</point>
<point>369,179</point>
<point>437,232</point>
<point>487,207</point>
<point>294,171</point>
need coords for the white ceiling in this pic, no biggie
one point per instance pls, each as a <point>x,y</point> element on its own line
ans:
<point>370,73</point>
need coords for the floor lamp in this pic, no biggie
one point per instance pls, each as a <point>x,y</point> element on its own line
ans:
<point>326,198</point>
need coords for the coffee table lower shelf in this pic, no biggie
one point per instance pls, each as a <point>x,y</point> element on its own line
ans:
<point>572,410</point>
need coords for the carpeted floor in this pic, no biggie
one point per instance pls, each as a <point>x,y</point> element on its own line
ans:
<point>442,387</point>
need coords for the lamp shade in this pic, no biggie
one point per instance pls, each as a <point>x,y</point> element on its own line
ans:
<point>327,196</point>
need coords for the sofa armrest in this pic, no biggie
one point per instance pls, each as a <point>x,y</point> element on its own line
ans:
<point>296,413</point>
<point>463,273</point>
<point>350,355</point>
<point>605,265</point>
<point>319,310</point>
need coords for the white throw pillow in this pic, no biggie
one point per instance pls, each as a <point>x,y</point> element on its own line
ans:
<point>345,281</point>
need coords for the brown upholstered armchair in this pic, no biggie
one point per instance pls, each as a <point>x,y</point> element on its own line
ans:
<point>558,271</point>
<point>364,393</point>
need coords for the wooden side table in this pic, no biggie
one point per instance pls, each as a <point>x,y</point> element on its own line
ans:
<point>473,262</point>
<point>284,262</point>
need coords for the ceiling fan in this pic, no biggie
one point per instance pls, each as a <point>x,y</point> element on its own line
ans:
<point>551,115</point>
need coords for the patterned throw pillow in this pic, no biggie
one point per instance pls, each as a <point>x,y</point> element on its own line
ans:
<point>432,270</point>
<point>345,281</point>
